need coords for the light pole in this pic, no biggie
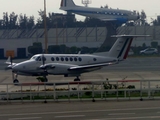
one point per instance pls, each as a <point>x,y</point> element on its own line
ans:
<point>45,28</point>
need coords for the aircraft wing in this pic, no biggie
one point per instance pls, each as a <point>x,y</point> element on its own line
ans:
<point>89,67</point>
<point>70,67</point>
<point>104,19</point>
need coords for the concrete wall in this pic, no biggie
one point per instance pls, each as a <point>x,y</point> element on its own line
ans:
<point>89,37</point>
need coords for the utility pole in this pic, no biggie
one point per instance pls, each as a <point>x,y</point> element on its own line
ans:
<point>45,29</point>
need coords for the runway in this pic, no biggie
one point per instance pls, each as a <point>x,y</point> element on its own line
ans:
<point>131,69</point>
<point>126,110</point>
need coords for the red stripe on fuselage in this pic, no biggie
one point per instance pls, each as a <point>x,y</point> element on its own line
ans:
<point>126,54</point>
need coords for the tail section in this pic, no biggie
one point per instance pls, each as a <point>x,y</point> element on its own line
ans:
<point>67,3</point>
<point>121,47</point>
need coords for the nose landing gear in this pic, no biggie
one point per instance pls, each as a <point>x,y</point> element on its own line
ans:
<point>15,80</point>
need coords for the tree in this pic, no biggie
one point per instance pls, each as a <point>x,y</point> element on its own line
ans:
<point>36,48</point>
<point>154,44</point>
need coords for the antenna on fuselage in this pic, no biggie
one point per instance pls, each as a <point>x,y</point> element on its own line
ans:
<point>86,2</point>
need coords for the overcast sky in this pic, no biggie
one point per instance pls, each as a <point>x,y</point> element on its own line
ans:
<point>31,7</point>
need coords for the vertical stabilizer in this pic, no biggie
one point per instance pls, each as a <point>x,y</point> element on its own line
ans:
<point>67,3</point>
<point>121,47</point>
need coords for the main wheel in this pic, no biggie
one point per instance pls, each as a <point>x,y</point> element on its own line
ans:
<point>15,81</point>
<point>76,79</point>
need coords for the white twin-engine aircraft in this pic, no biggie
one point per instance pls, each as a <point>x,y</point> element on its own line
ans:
<point>72,65</point>
<point>103,14</point>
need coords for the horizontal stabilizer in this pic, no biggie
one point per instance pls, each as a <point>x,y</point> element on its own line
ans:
<point>130,36</point>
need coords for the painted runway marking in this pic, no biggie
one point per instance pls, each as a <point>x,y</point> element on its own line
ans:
<point>132,118</point>
<point>84,111</point>
<point>121,114</point>
<point>69,116</point>
<point>27,118</point>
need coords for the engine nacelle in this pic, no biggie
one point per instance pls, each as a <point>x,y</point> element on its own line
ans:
<point>60,69</point>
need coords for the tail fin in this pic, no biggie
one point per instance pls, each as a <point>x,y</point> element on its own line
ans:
<point>121,47</point>
<point>67,3</point>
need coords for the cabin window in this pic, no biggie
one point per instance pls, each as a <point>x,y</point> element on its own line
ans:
<point>75,59</point>
<point>94,59</point>
<point>66,59</point>
<point>62,59</point>
<point>80,59</point>
<point>57,58</point>
<point>71,59</point>
<point>52,58</point>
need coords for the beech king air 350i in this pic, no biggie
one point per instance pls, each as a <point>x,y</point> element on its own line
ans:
<point>103,14</point>
<point>72,65</point>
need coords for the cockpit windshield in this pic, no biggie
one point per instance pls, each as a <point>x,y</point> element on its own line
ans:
<point>36,58</point>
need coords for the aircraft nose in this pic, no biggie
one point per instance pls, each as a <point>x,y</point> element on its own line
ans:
<point>16,67</point>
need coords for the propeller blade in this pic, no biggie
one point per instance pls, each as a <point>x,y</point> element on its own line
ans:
<point>11,60</point>
<point>43,64</point>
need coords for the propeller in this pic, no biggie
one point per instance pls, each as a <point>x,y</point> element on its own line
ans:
<point>10,66</point>
<point>43,65</point>
<point>11,60</point>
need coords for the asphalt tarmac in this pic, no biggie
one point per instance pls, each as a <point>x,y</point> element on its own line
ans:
<point>130,69</point>
<point>143,68</point>
<point>125,110</point>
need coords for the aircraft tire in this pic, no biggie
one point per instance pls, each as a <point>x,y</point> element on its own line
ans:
<point>76,79</point>
<point>15,81</point>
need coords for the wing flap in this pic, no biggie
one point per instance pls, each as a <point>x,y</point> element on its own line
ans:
<point>87,67</point>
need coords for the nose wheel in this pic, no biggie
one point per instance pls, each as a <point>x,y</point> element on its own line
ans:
<point>15,81</point>
<point>14,76</point>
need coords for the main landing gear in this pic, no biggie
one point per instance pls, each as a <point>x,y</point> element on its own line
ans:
<point>15,80</point>
<point>77,79</point>
<point>45,79</point>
